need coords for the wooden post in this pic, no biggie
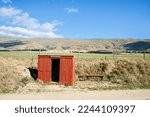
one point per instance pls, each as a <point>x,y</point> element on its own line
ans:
<point>78,55</point>
<point>113,54</point>
<point>32,62</point>
<point>39,51</point>
<point>144,55</point>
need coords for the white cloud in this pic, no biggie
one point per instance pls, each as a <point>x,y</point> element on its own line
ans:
<point>6,1</point>
<point>26,21</point>
<point>72,10</point>
<point>9,12</point>
<point>47,26</point>
<point>23,32</point>
<point>21,24</point>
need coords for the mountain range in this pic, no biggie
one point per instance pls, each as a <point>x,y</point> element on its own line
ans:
<point>61,44</point>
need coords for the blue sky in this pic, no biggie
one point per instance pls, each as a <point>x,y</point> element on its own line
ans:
<point>75,18</point>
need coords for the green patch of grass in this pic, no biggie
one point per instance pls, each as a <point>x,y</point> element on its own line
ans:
<point>78,56</point>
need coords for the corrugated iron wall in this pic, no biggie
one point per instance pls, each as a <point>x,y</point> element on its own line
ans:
<point>44,68</point>
<point>67,72</point>
<point>66,69</point>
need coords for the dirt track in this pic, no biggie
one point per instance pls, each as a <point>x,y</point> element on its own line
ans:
<point>82,95</point>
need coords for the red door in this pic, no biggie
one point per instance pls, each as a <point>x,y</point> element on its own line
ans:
<point>44,68</point>
<point>67,70</point>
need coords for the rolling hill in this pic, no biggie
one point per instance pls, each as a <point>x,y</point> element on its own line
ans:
<point>59,44</point>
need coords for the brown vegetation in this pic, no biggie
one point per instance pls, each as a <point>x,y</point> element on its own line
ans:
<point>74,44</point>
<point>133,73</point>
<point>126,73</point>
<point>14,75</point>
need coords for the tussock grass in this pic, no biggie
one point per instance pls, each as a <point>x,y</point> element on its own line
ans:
<point>93,67</point>
<point>127,73</point>
<point>119,73</point>
<point>132,73</point>
<point>13,74</point>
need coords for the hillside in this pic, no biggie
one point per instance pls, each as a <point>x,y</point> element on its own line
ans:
<point>74,44</point>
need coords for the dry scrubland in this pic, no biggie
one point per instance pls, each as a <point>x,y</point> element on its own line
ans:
<point>61,44</point>
<point>13,74</point>
<point>119,74</point>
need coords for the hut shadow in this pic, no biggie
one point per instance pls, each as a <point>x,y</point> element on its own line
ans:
<point>33,72</point>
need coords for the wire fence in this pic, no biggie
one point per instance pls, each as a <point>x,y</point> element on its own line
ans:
<point>78,56</point>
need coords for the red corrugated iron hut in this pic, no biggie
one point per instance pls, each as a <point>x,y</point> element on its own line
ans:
<point>56,68</point>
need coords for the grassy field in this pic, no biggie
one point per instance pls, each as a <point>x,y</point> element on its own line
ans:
<point>78,56</point>
<point>121,71</point>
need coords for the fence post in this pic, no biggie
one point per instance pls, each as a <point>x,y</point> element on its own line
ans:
<point>113,55</point>
<point>32,62</point>
<point>39,51</point>
<point>78,55</point>
<point>144,55</point>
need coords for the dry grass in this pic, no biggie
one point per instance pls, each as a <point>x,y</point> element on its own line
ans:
<point>13,74</point>
<point>64,44</point>
<point>132,73</point>
<point>127,73</point>
<point>93,67</point>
